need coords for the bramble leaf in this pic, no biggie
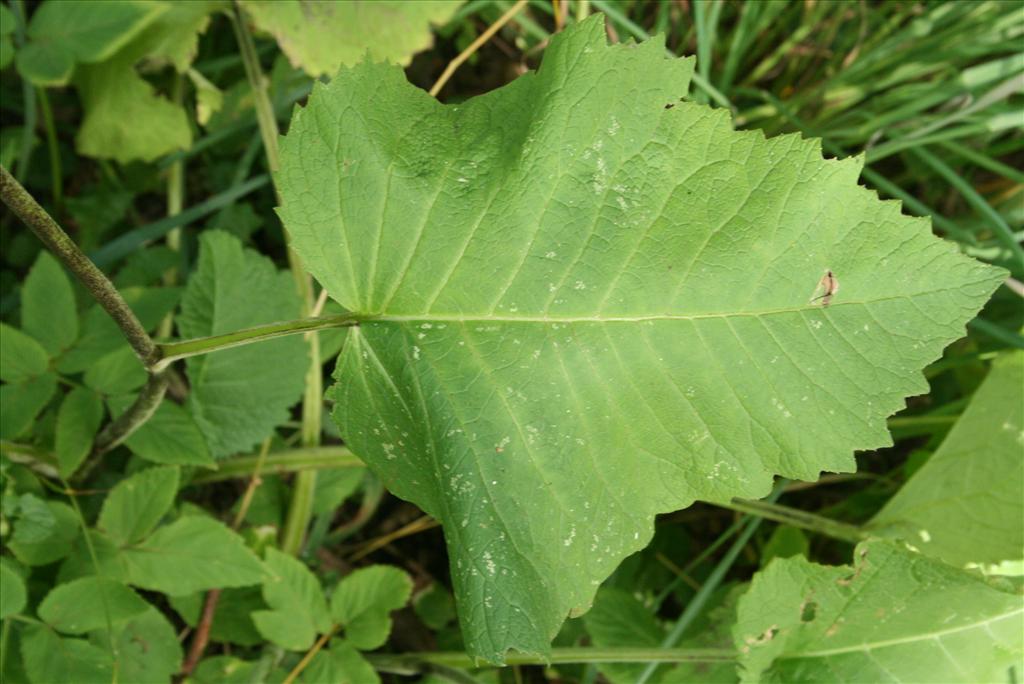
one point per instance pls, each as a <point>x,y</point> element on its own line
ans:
<point>239,396</point>
<point>320,37</point>
<point>340,664</point>
<point>86,604</point>
<point>137,503</point>
<point>170,436</point>
<point>78,419</point>
<point>48,305</point>
<point>297,599</point>
<point>12,590</point>
<point>589,302</point>
<point>363,601</point>
<point>192,554</point>
<point>895,616</point>
<point>50,658</point>
<point>964,505</point>
<point>21,356</point>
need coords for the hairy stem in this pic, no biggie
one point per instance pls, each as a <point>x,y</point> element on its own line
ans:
<point>99,286</point>
<point>139,412</point>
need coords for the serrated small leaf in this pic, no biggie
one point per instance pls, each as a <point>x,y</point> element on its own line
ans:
<point>118,372</point>
<point>573,291</point>
<point>320,37</point>
<point>78,419</point>
<point>339,664</point>
<point>21,402</point>
<point>12,590</point>
<point>235,288</point>
<point>137,503</point>
<point>965,504</point>
<point>362,604</point>
<point>21,356</point>
<point>48,305</point>
<point>54,545</point>
<point>89,603</point>
<point>192,554</point>
<point>49,658</point>
<point>895,616</point>
<point>299,609</point>
<point>170,436</point>
<point>147,647</point>
<point>35,522</point>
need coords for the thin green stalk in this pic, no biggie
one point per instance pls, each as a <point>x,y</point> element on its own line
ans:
<point>700,599</point>
<point>1013,339</point>
<point>170,352</point>
<point>701,557</point>
<point>175,203</point>
<point>56,172</point>
<point>996,221</point>
<point>413,663</point>
<point>28,95</point>
<point>300,510</point>
<point>124,245</point>
<point>797,518</point>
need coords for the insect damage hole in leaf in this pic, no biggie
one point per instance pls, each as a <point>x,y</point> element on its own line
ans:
<point>533,374</point>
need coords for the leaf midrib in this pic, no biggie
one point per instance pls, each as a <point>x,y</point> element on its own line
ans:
<point>490,318</point>
<point>872,646</point>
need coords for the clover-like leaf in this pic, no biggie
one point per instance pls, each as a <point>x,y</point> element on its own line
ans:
<point>895,616</point>
<point>299,610</point>
<point>586,301</point>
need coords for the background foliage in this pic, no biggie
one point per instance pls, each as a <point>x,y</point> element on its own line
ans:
<point>233,536</point>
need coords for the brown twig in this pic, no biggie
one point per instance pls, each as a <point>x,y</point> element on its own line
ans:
<point>202,635</point>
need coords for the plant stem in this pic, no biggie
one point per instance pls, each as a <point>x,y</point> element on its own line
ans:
<point>413,663</point>
<point>281,462</point>
<point>797,518</point>
<point>173,351</point>
<point>700,599</point>
<point>42,224</point>
<point>139,412</point>
<point>300,510</point>
<point>56,174</point>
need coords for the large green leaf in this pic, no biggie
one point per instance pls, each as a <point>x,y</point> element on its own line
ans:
<point>965,505</point>
<point>586,307</point>
<point>896,616</point>
<point>319,37</point>
<point>240,395</point>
